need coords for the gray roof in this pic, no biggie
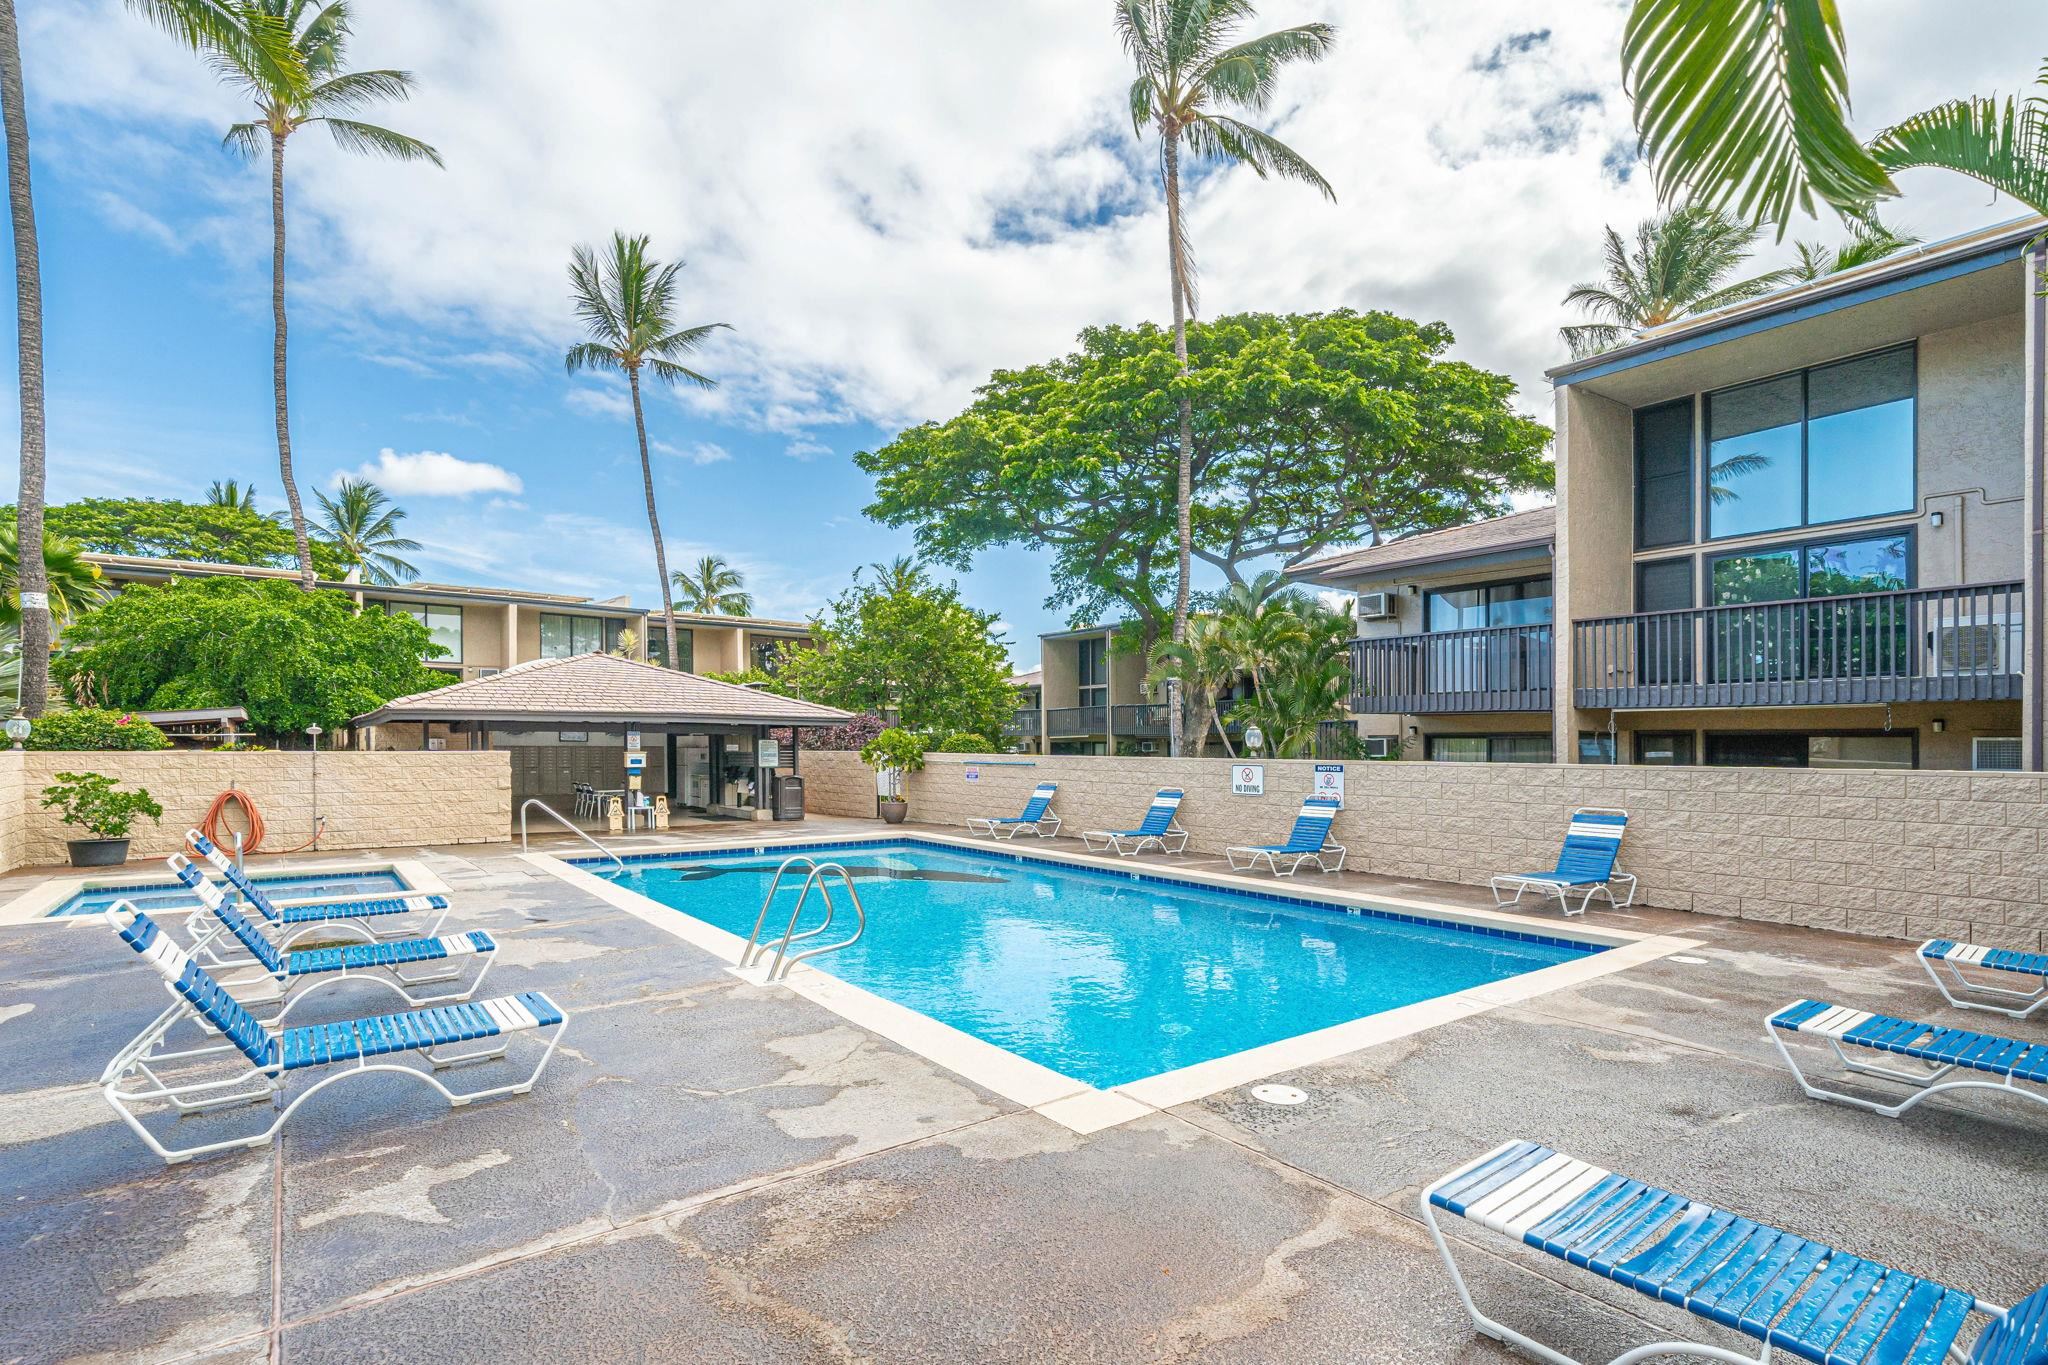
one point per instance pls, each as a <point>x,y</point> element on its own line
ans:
<point>1528,530</point>
<point>600,689</point>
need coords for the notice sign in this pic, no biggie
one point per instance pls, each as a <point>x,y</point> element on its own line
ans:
<point>632,740</point>
<point>768,753</point>
<point>1330,783</point>
<point>636,763</point>
<point>971,771</point>
<point>1248,779</point>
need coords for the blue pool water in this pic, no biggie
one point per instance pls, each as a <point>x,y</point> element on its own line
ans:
<point>1105,977</point>
<point>172,896</point>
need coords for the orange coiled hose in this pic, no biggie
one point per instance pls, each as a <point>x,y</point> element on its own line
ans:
<point>211,825</point>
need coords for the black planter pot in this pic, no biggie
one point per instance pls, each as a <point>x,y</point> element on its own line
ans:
<point>98,852</point>
<point>894,811</point>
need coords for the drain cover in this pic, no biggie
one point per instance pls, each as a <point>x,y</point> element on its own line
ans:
<point>1691,961</point>
<point>1278,1094</point>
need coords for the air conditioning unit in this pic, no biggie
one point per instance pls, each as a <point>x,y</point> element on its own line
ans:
<point>489,672</point>
<point>1977,646</point>
<point>1146,746</point>
<point>1378,606</point>
<point>1998,755</point>
<point>1382,746</point>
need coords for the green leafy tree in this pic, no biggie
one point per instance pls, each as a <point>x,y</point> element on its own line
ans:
<point>1190,68</point>
<point>313,86</point>
<point>1310,431</point>
<point>71,582</point>
<point>915,653</point>
<point>361,523</point>
<point>714,587</point>
<point>292,658</point>
<point>1744,105</point>
<point>90,801</point>
<point>627,301</point>
<point>162,528</point>
<point>1869,242</point>
<point>1679,267</point>
<point>91,727</point>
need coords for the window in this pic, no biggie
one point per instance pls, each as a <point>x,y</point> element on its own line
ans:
<point>1596,746</point>
<point>444,626</point>
<point>1828,444</point>
<point>1525,602</point>
<point>1093,672</point>
<point>1852,639</point>
<point>614,632</point>
<point>1793,750</point>
<point>1664,643</point>
<point>1672,750</point>
<point>1664,475</point>
<point>767,653</point>
<point>1488,749</point>
<point>561,636</point>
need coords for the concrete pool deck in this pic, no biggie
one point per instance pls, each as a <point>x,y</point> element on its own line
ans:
<point>714,1170</point>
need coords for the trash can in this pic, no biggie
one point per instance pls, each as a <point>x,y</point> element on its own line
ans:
<point>789,798</point>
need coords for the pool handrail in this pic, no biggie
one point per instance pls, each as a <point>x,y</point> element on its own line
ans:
<point>754,946</point>
<point>533,801</point>
<point>778,968</point>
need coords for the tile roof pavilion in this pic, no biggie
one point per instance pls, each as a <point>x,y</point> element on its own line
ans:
<point>599,690</point>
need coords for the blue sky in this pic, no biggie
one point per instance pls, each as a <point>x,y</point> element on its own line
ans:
<point>885,205</point>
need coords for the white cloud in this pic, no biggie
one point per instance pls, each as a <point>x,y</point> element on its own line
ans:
<point>804,448</point>
<point>599,402</point>
<point>697,452</point>
<point>434,474</point>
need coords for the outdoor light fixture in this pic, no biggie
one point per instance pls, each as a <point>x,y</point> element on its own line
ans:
<point>1934,519</point>
<point>1254,737</point>
<point>1938,723</point>
<point>18,727</point>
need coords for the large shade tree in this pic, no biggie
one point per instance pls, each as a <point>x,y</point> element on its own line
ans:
<point>627,302</point>
<point>1309,431</point>
<point>315,87</point>
<point>164,528</point>
<point>1191,68</point>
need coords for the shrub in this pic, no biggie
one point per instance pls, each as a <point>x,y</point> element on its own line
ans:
<point>895,751</point>
<point>92,728</point>
<point>965,743</point>
<point>89,800</point>
<point>856,734</point>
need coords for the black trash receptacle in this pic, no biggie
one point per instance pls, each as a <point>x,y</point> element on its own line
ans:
<point>789,798</point>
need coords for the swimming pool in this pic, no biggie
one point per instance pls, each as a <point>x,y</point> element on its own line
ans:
<point>1106,977</point>
<point>161,896</point>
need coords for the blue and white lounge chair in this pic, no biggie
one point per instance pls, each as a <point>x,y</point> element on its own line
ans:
<point>1307,842</point>
<point>136,1075</point>
<point>1779,1289</point>
<point>381,917</point>
<point>1037,817</point>
<point>2017,966</point>
<point>1585,864</point>
<point>1159,828</point>
<point>1987,1061</point>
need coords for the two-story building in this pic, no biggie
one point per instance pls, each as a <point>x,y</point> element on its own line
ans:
<point>1093,699</point>
<point>1806,531</point>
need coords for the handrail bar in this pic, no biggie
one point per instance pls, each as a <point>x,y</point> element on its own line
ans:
<point>754,946</point>
<point>533,801</point>
<point>1959,590</point>
<point>778,968</point>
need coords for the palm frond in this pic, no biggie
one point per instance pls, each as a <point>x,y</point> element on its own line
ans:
<point>1141,103</point>
<point>685,340</point>
<point>1744,104</point>
<point>589,355</point>
<point>668,372</point>
<point>1591,338</point>
<point>1248,74</point>
<point>2003,143</point>
<point>257,46</point>
<point>1221,138</point>
<point>248,140</point>
<point>357,89</point>
<point>368,139</point>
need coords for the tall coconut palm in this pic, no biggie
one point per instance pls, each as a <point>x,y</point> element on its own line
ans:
<point>361,523</point>
<point>32,590</point>
<point>899,575</point>
<point>714,587</point>
<point>1203,667</point>
<point>231,494</point>
<point>1869,242</point>
<point>1744,104</point>
<point>627,301</point>
<point>72,582</point>
<point>1189,70</point>
<point>316,87</point>
<point>1679,267</point>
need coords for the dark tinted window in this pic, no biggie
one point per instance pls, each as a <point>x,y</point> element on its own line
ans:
<point>1664,475</point>
<point>1859,438</point>
<point>1753,457</point>
<point>1665,586</point>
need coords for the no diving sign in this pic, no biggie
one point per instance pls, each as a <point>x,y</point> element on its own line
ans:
<point>1248,779</point>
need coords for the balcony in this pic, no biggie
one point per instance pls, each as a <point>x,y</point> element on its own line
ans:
<point>1931,644</point>
<point>1024,723</point>
<point>1499,668</point>
<point>1146,721</point>
<point>1066,722</point>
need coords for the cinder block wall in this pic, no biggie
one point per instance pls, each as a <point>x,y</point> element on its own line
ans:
<point>1905,855</point>
<point>371,800</point>
<point>836,782</point>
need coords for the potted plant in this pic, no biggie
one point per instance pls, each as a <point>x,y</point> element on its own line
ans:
<point>90,801</point>
<point>892,754</point>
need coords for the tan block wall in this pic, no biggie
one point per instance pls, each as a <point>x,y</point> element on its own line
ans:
<point>13,817</point>
<point>1903,855</point>
<point>836,782</point>
<point>371,800</point>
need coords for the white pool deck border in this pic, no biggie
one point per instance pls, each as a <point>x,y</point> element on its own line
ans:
<point>36,904</point>
<point>1084,1108</point>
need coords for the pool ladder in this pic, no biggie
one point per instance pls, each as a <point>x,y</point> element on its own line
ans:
<point>816,875</point>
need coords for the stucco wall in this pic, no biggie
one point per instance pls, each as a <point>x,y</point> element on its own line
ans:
<point>1905,855</point>
<point>836,782</point>
<point>371,800</point>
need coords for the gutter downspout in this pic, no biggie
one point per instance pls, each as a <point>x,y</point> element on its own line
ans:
<point>2037,487</point>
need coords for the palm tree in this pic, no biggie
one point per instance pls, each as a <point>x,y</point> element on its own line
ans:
<point>1744,104</point>
<point>899,575</point>
<point>362,525</point>
<point>627,303</point>
<point>715,587</point>
<point>231,494</point>
<point>313,88</point>
<point>1188,69</point>
<point>32,589</point>
<point>1869,242</point>
<point>72,582</point>
<point>1202,667</point>
<point>1679,267</point>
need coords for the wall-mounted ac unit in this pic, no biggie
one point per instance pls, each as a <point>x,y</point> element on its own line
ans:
<point>1995,755</point>
<point>1146,746</point>
<point>1976,646</point>
<point>1382,746</point>
<point>1378,606</point>
<point>489,672</point>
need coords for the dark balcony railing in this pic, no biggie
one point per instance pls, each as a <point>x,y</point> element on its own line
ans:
<point>1931,644</point>
<point>1145,721</point>
<point>1025,722</point>
<point>1500,668</point>
<point>1077,720</point>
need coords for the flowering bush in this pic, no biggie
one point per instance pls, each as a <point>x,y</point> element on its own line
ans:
<point>855,735</point>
